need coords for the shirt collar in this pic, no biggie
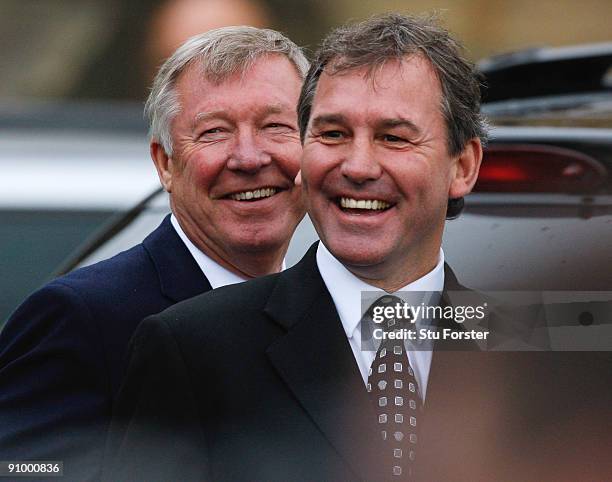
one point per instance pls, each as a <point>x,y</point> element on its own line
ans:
<point>216,274</point>
<point>345,288</point>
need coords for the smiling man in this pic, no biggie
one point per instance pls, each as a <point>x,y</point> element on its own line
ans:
<point>378,174</point>
<point>267,380</point>
<point>234,155</point>
<point>225,142</point>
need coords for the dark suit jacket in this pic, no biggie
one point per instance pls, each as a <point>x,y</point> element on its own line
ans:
<point>261,384</point>
<point>63,352</point>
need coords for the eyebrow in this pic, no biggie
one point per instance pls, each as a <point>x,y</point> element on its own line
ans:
<point>329,119</point>
<point>399,122</point>
<point>380,124</point>
<point>266,111</point>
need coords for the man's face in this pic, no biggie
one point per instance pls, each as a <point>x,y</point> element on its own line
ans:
<point>376,171</point>
<point>236,154</point>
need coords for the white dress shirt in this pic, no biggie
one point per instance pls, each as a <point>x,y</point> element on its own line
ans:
<point>216,274</point>
<point>346,291</point>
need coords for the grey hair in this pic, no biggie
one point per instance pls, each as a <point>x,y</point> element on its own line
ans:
<point>221,53</point>
<point>392,37</point>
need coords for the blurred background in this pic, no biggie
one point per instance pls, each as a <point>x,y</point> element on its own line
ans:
<point>109,49</point>
<point>74,75</point>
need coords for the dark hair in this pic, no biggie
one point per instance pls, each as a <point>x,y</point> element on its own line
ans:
<point>393,37</point>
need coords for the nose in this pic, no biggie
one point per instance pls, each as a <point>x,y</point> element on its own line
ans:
<point>247,154</point>
<point>360,164</point>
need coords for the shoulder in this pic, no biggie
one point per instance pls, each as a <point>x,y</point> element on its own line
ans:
<point>79,296</point>
<point>130,272</point>
<point>109,290</point>
<point>91,281</point>
<point>96,289</point>
<point>123,268</point>
<point>201,329</point>
<point>249,311</point>
<point>228,302</point>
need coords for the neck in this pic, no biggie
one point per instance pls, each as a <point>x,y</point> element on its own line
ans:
<point>248,265</point>
<point>246,261</point>
<point>392,277</point>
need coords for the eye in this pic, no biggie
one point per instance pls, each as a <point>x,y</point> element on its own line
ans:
<point>332,136</point>
<point>278,127</point>
<point>395,141</point>
<point>214,134</point>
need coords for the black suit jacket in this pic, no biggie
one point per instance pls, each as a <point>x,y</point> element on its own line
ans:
<point>258,382</point>
<point>63,352</point>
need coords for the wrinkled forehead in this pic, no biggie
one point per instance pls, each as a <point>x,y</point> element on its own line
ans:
<point>270,87</point>
<point>219,70</point>
<point>272,73</point>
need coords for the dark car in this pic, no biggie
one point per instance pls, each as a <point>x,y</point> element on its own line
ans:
<point>545,187</point>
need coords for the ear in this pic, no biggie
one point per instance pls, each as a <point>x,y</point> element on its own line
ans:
<point>466,169</point>
<point>163,163</point>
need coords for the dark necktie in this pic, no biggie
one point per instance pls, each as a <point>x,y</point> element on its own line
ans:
<point>394,392</point>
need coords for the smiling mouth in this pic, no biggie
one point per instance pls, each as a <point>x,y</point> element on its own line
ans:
<point>254,195</point>
<point>349,204</point>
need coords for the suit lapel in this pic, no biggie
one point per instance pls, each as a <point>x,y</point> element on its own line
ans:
<point>453,410</point>
<point>452,285</point>
<point>180,277</point>
<point>441,364</point>
<point>316,362</point>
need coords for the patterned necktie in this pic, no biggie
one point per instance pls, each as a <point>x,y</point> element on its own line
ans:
<point>394,392</point>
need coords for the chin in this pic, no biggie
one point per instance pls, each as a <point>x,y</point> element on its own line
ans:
<point>266,243</point>
<point>361,254</point>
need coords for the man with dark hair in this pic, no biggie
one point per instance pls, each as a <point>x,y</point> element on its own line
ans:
<point>272,379</point>
<point>225,143</point>
<point>369,47</point>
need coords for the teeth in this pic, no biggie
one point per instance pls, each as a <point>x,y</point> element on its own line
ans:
<point>256,194</point>
<point>373,204</point>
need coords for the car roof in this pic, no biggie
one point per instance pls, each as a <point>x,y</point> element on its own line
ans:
<point>64,170</point>
<point>73,115</point>
<point>541,72</point>
<point>574,110</point>
<point>71,155</point>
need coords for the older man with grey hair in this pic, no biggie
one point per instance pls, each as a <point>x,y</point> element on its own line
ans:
<point>225,143</point>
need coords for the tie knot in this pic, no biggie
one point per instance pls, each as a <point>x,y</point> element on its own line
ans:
<point>389,312</point>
